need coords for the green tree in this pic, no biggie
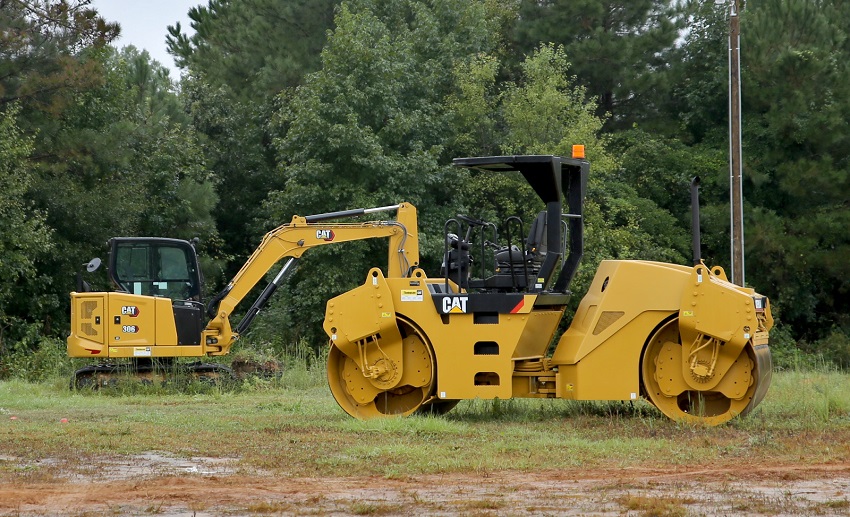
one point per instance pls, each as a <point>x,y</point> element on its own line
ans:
<point>797,158</point>
<point>242,55</point>
<point>698,105</point>
<point>254,47</point>
<point>150,81</point>
<point>25,237</point>
<point>660,169</point>
<point>545,112</point>
<point>115,165</point>
<point>795,91</point>
<point>376,123</point>
<point>237,150</point>
<point>619,49</point>
<point>43,44</point>
<point>49,52</point>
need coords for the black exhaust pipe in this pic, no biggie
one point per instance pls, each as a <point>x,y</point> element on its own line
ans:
<point>695,219</point>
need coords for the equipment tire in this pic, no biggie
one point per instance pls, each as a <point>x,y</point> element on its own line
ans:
<point>345,379</point>
<point>700,407</point>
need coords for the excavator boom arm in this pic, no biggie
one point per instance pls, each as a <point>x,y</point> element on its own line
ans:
<point>291,241</point>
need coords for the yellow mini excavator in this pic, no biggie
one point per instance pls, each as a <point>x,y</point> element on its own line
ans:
<point>684,337</point>
<point>156,314</point>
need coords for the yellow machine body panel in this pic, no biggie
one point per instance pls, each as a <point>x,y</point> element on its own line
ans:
<point>488,354</point>
<point>539,331</point>
<point>135,320</point>
<point>124,325</point>
<point>610,371</point>
<point>474,360</point>
<point>476,351</point>
<point>88,330</point>
<point>362,324</point>
<point>717,320</point>
<point>598,357</point>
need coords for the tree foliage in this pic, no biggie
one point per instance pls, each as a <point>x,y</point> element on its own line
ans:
<point>546,113</point>
<point>376,122</point>
<point>237,152</point>
<point>106,154</point>
<point>698,105</point>
<point>254,47</point>
<point>25,237</point>
<point>798,157</point>
<point>794,110</point>
<point>370,129</point>
<point>619,50</point>
<point>42,49</point>
<point>118,169</point>
<point>242,54</point>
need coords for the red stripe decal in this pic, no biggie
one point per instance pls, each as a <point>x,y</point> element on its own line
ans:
<point>518,306</point>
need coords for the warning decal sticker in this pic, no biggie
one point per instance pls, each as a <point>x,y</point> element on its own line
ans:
<point>412,295</point>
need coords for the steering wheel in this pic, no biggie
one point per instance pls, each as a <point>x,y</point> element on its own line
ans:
<point>470,221</point>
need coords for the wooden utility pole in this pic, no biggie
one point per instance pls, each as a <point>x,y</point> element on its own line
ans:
<point>735,155</point>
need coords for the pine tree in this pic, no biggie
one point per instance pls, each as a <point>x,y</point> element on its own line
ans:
<point>254,47</point>
<point>617,50</point>
<point>797,158</point>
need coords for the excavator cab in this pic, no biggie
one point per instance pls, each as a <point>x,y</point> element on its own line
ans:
<point>161,267</point>
<point>154,266</point>
<point>153,316</point>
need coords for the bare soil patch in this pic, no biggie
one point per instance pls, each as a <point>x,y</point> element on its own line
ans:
<point>157,484</point>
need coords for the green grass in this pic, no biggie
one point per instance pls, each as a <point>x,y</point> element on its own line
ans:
<point>297,429</point>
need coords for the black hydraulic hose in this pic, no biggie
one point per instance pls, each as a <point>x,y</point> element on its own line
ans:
<point>212,308</point>
<point>267,293</point>
<point>522,252</point>
<point>483,246</point>
<point>459,246</point>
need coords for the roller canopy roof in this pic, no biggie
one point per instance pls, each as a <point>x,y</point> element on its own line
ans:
<point>545,173</point>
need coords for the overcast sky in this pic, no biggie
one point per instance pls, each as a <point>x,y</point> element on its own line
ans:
<point>144,24</point>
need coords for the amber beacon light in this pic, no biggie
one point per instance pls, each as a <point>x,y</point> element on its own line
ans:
<point>578,152</point>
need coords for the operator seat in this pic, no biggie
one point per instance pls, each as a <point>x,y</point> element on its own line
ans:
<point>535,244</point>
<point>534,253</point>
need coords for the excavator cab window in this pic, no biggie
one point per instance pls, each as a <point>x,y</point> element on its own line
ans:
<point>155,267</point>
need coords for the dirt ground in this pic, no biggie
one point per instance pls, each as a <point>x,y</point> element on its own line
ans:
<point>157,484</point>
